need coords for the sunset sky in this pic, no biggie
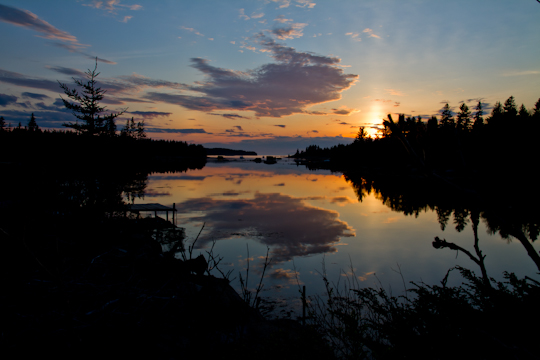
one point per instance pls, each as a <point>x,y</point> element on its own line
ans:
<point>267,75</point>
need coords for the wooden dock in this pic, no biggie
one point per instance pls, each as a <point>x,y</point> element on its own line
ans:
<point>155,208</point>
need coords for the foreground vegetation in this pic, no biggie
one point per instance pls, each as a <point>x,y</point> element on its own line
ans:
<point>478,320</point>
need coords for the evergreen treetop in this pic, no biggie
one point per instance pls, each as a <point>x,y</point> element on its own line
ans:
<point>86,106</point>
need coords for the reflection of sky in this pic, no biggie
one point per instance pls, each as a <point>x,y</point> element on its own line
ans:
<point>287,224</point>
<point>306,222</point>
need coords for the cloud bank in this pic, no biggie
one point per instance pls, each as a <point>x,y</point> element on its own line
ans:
<point>296,81</point>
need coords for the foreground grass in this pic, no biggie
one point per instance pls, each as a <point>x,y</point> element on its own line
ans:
<point>475,320</point>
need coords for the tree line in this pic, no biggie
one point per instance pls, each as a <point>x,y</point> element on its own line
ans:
<point>93,137</point>
<point>468,141</point>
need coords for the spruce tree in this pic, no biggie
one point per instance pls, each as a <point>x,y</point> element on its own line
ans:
<point>432,124</point>
<point>2,123</point>
<point>86,106</point>
<point>496,114</point>
<point>140,130</point>
<point>32,124</point>
<point>523,112</point>
<point>463,118</point>
<point>478,116</point>
<point>447,120</point>
<point>510,108</point>
<point>536,110</point>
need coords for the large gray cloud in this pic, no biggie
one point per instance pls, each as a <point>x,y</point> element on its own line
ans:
<point>296,81</point>
<point>287,224</point>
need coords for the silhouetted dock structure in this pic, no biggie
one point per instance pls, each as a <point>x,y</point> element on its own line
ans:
<point>155,208</point>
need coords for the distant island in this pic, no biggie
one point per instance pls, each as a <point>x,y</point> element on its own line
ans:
<point>228,152</point>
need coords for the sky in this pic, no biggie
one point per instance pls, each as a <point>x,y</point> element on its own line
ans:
<point>270,76</point>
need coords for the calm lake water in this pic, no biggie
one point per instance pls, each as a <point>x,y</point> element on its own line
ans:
<point>309,217</point>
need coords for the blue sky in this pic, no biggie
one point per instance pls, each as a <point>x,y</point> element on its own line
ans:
<point>268,76</point>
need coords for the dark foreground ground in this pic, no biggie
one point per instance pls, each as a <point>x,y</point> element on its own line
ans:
<point>73,290</point>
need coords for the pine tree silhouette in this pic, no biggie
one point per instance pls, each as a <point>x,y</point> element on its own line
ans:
<point>86,106</point>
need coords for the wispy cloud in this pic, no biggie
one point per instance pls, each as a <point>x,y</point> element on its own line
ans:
<point>289,32</point>
<point>150,114</point>
<point>176,131</point>
<point>370,33</point>
<point>6,100</point>
<point>394,92</point>
<point>242,15</point>
<point>31,21</point>
<point>27,19</point>
<point>231,116</point>
<point>191,30</point>
<point>66,71</point>
<point>143,81</point>
<point>112,6</point>
<point>522,73</point>
<point>344,110</point>
<point>283,3</point>
<point>305,3</point>
<point>14,78</point>
<point>282,19</point>
<point>34,96</point>
<point>354,35</point>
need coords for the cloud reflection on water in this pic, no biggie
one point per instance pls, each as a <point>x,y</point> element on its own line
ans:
<point>288,225</point>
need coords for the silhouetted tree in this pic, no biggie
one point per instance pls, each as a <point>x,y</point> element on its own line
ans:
<point>478,116</point>
<point>32,124</point>
<point>129,129</point>
<point>110,127</point>
<point>496,114</point>
<point>86,106</point>
<point>361,135</point>
<point>536,110</point>
<point>2,123</point>
<point>432,125</point>
<point>463,118</point>
<point>447,120</point>
<point>141,134</point>
<point>510,108</point>
<point>523,113</point>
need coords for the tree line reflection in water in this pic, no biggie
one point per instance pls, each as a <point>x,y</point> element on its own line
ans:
<point>515,219</point>
<point>288,225</point>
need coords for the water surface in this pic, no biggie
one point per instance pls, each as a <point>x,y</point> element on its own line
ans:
<point>307,217</point>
